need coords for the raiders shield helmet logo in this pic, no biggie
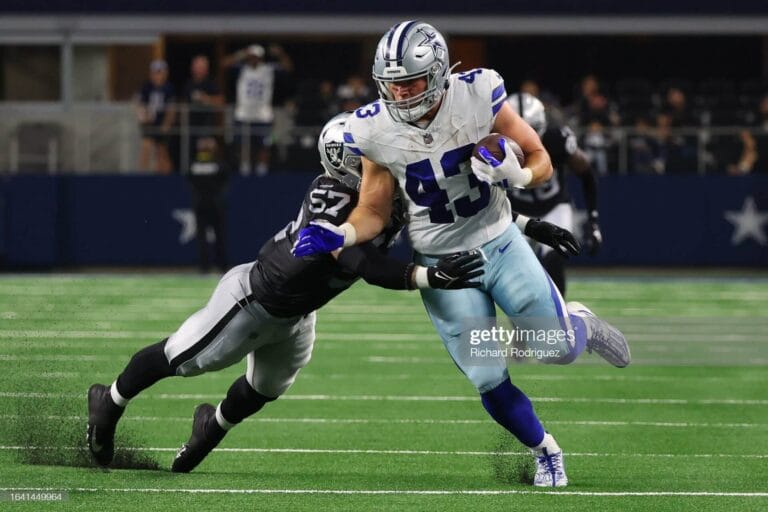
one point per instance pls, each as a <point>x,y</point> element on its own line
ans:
<point>333,151</point>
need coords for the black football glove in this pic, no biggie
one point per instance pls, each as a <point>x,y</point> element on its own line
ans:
<point>594,236</point>
<point>561,240</point>
<point>456,271</point>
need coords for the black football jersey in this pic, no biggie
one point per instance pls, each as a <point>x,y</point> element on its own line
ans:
<point>560,143</point>
<point>287,286</point>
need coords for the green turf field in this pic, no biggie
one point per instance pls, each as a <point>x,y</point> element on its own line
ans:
<point>381,418</point>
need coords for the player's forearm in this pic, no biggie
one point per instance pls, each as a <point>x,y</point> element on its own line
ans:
<point>363,224</point>
<point>539,163</point>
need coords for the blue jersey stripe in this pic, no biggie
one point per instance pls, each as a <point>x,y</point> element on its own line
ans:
<point>498,92</point>
<point>401,41</point>
<point>355,151</point>
<point>495,109</point>
<point>348,137</point>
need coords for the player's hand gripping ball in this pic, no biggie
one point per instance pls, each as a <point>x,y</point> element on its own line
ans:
<point>499,160</point>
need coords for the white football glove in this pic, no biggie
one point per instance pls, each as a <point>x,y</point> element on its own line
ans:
<point>506,173</point>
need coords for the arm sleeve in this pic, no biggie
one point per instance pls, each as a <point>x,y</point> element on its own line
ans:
<point>589,184</point>
<point>376,268</point>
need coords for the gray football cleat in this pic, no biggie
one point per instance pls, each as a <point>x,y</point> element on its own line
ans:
<point>603,338</point>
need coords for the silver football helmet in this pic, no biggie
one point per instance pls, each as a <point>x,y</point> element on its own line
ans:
<point>335,158</point>
<point>531,109</point>
<point>409,50</point>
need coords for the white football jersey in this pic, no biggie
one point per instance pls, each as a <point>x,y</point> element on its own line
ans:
<point>449,208</point>
<point>254,94</point>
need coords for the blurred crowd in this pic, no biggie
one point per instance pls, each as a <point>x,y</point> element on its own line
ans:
<point>673,127</point>
<point>633,125</point>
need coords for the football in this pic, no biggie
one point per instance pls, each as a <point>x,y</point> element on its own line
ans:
<point>491,142</point>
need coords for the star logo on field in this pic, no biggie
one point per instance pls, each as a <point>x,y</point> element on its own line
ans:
<point>748,223</point>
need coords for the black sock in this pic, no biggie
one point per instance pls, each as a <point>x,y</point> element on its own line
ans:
<point>242,401</point>
<point>146,367</point>
<point>554,264</point>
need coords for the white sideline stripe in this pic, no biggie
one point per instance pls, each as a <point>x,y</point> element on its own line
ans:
<point>369,492</point>
<point>407,398</point>
<point>361,451</point>
<point>428,421</point>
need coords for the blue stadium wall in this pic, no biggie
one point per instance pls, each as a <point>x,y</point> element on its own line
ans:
<point>62,221</point>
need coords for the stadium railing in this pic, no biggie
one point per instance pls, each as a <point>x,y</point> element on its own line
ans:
<point>105,138</point>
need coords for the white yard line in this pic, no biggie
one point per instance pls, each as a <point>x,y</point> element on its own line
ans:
<point>409,376</point>
<point>415,398</point>
<point>389,340</point>
<point>413,421</point>
<point>368,492</point>
<point>469,453</point>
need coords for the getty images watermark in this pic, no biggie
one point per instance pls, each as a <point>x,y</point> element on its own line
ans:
<point>541,339</point>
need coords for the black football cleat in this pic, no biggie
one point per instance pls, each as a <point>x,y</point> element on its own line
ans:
<point>103,415</point>
<point>206,435</point>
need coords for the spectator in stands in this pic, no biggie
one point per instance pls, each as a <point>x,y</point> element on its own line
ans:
<point>353,94</point>
<point>678,154</point>
<point>681,148</point>
<point>317,104</point>
<point>531,87</point>
<point>644,151</point>
<point>254,112</point>
<point>676,107</point>
<point>203,99</point>
<point>156,113</point>
<point>761,137</point>
<point>596,146</point>
<point>594,106</point>
<point>743,154</point>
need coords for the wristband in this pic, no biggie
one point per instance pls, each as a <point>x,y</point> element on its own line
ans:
<point>420,276</point>
<point>350,234</point>
<point>526,177</point>
<point>521,222</point>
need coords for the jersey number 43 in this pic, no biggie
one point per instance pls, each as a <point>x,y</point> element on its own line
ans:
<point>422,187</point>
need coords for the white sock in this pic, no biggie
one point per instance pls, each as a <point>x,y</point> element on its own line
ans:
<point>549,443</point>
<point>116,396</point>
<point>223,423</point>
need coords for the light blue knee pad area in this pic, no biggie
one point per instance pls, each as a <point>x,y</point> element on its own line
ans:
<point>516,282</point>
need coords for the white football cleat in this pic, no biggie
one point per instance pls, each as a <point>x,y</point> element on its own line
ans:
<point>550,467</point>
<point>602,337</point>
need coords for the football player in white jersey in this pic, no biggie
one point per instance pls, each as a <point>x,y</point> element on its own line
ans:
<point>254,114</point>
<point>419,137</point>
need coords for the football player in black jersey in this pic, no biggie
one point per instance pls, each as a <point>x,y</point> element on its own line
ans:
<point>551,201</point>
<point>264,311</point>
